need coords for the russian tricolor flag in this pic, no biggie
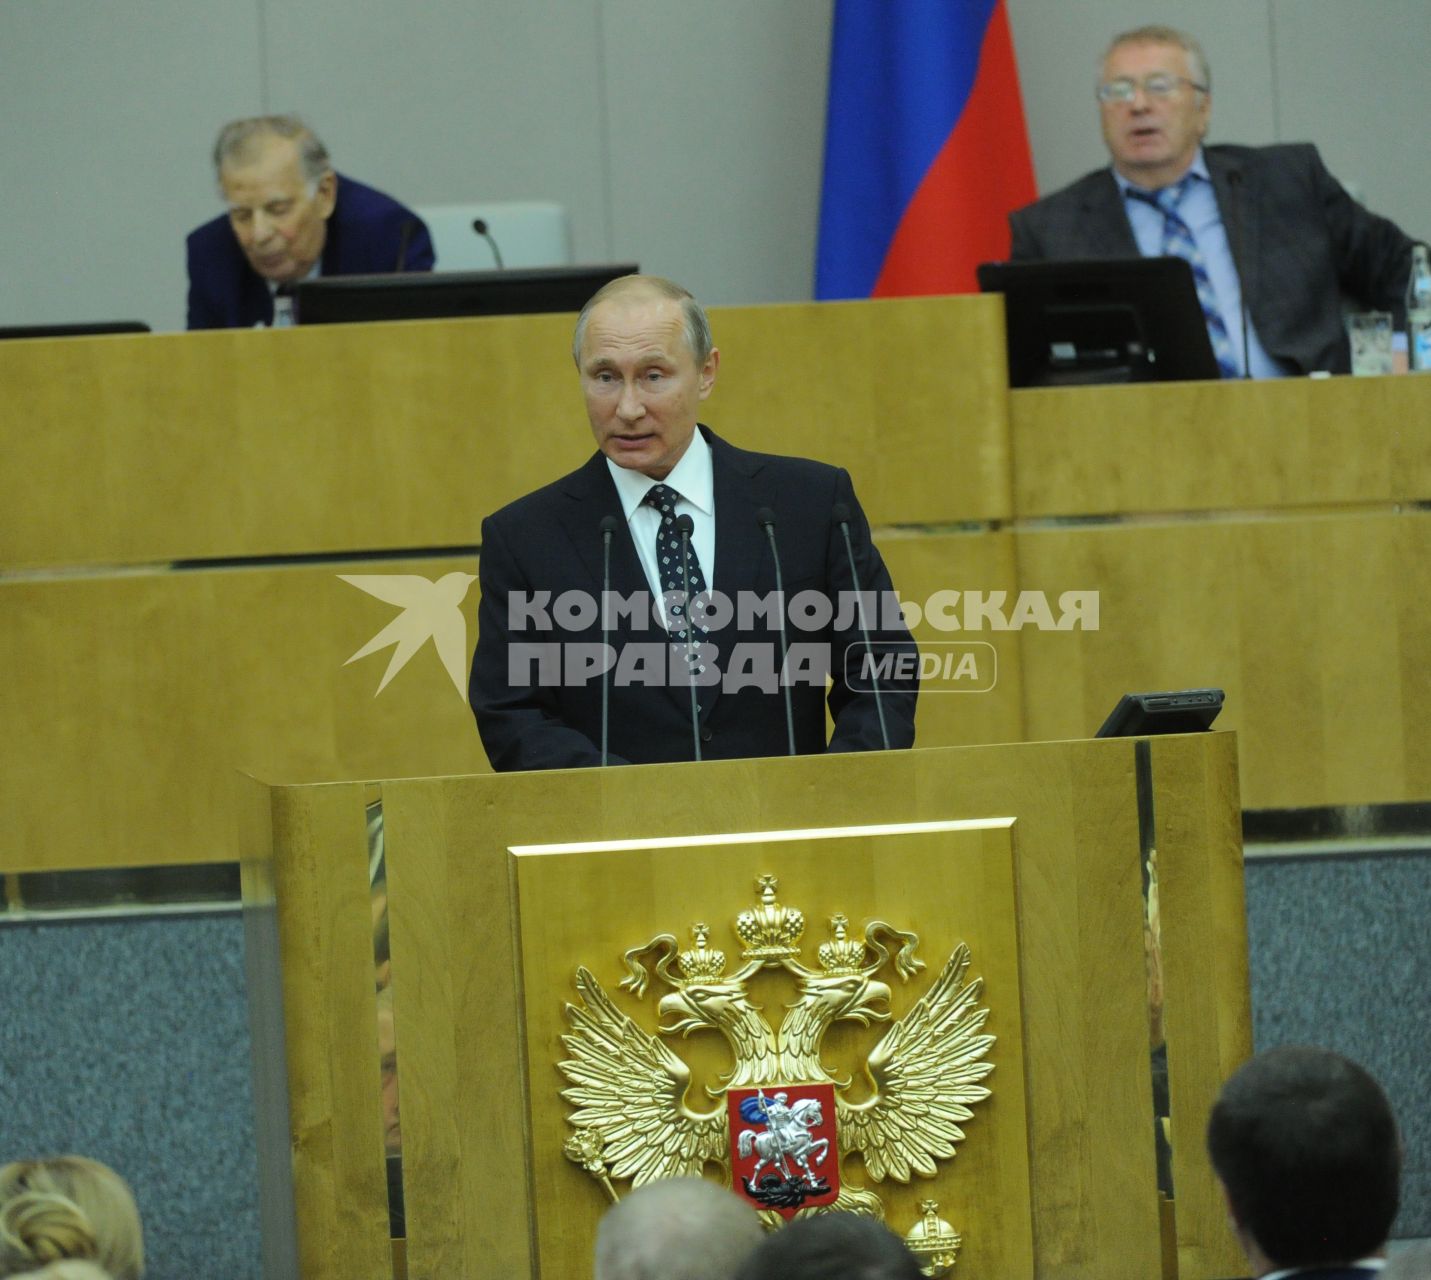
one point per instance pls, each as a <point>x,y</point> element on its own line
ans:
<point>926,150</point>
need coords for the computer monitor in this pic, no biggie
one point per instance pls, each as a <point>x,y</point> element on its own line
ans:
<point>1101,320</point>
<point>442,295</point>
<point>1177,711</point>
<point>80,329</point>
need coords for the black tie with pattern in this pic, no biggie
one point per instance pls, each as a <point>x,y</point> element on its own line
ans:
<point>673,581</point>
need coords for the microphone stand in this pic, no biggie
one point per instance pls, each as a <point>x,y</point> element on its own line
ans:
<point>765,518</point>
<point>608,528</point>
<point>842,517</point>
<point>685,525</point>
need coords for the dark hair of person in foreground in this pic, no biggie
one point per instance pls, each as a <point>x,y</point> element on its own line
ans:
<point>1306,1146</point>
<point>832,1246</point>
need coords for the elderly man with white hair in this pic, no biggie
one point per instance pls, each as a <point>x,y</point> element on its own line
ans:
<point>677,1229</point>
<point>290,216</point>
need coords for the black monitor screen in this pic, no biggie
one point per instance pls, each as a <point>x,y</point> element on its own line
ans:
<point>1114,320</point>
<point>80,329</point>
<point>1177,711</point>
<point>443,295</point>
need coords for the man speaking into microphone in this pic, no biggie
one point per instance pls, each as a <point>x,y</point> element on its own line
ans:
<point>677,598</point>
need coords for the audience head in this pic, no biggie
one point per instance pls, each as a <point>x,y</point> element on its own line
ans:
<point>832,1246</point>
<point>280,189</point>
<point>1307,1151</point>
<point>68,1207</point>
<point>677,1229</point>
<point>643,349</point>
<point>1155,101</point>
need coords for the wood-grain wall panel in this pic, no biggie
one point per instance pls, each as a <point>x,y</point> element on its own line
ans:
<point>398,436</point>
<point>1307,623</point>
<point>1196,446</point>
<point>131,702</point>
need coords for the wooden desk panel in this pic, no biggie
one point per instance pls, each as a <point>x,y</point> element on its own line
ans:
<point>246,443</point>
<point>131,701</point>
<point>267,442</point>
<point>147,690</point>
<point>1196,446</point>
<point>1311,624</point>
<point>959,712</point>
<point>908,394</point>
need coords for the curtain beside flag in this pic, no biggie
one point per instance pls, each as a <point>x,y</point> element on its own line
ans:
<point>926,150</point>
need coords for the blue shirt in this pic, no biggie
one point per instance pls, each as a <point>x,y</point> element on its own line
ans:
<point>1199,210</point>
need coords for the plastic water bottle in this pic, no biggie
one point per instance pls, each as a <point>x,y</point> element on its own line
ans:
<point>1418,310</point>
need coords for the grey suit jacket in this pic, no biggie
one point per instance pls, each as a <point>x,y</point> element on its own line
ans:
<point>1300,242</point>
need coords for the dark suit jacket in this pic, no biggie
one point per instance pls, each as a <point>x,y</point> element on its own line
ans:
<point>364,235</point>
<point>551,540</point>
<point>1299,241</point>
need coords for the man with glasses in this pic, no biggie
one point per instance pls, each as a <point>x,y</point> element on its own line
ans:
<point>1264,227</point>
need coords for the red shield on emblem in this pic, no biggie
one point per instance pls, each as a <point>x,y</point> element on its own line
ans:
<point>782,1146</point>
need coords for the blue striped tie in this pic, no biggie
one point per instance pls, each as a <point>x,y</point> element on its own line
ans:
<point>1178,242</point>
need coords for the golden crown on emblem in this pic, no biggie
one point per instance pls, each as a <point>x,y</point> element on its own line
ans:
<point>770,931</point>
<point>700,964</point>
<point>842,955</point>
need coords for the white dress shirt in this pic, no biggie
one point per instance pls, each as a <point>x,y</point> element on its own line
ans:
<point>694,480</point>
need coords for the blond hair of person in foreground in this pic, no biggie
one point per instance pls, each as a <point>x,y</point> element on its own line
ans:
<point>68,1208</point>
<point>69,1269</point>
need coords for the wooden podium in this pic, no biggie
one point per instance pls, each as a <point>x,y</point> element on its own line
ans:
<point>500,888</point>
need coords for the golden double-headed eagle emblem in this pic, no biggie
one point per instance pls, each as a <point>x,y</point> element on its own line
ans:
<point>780,1119</point>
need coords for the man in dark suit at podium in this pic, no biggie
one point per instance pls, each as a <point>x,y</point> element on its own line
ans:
<point>1267,227</point>
<point>290,217</point>
<point>1307,1151</point>
<point>644,353</point>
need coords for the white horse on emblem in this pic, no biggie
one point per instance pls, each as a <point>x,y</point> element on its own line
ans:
<point>788,1140</point>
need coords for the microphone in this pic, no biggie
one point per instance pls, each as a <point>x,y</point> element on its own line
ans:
<point>841,515</point>
<point>765,518</point>
<point>1234,205</point>
<point>609,525</point>
<point>685,526</point>
<point>404,240</point>
<point>479,225</point>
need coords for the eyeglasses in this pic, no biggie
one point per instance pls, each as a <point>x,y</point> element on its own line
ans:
<point>1158,85</point>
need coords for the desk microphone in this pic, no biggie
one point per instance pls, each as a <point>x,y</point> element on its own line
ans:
<point>479,225</point>
<point>685,526</point>
<point>841,515</point>
<point>765,518</point>
<point>1234,204</point>
<point>609,525</point>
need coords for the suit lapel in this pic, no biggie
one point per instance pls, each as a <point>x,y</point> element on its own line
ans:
<point>1110,232</point>
<point>740,541</point>
<point>1237,205</point>
<point>594,497</point>
<point>742,561</point>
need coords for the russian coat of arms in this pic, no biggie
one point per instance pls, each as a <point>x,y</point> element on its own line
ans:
<point>781,1119</point>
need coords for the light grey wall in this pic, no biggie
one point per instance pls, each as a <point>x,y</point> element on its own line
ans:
<point>682,133</point>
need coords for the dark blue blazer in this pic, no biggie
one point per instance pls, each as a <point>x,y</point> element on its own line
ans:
<point>551,540</point>
<point>1300,242</point>
<point>364,235</point>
